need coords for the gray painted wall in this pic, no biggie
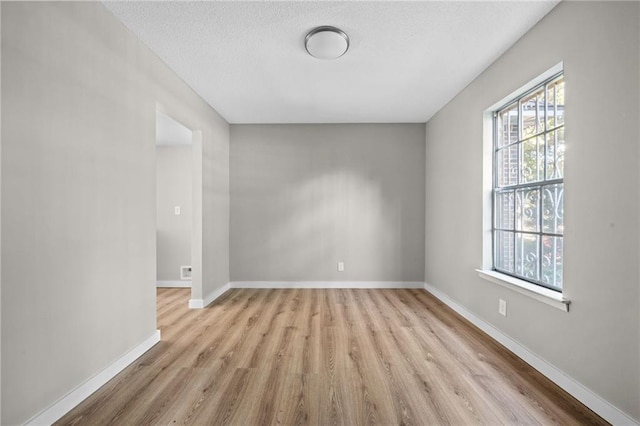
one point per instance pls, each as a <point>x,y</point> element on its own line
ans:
<point>597,343</point>
<point>215,207</point>
<point>78,186</point>
<point>0,219</point>
<point>304,197</point>
<point>173,232</point>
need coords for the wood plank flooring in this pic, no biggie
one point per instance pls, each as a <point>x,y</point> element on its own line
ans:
<point>325,357</point>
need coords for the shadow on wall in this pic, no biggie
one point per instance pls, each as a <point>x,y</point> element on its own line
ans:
<point>310,218</point>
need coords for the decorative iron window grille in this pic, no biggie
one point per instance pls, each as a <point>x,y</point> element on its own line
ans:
<point>528,185</point>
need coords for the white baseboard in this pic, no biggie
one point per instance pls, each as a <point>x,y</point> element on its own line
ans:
<point>203,303</point>
<point>596,403</point>
<point>173,284</point>
<point>327,284</point>
<point>79,394</point>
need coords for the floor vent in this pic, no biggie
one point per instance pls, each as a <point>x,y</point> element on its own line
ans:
<point>185,272</point>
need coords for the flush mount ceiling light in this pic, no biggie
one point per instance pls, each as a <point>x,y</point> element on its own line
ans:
<point>326,42</point>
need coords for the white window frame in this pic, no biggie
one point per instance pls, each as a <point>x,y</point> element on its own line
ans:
<point>550,297</point>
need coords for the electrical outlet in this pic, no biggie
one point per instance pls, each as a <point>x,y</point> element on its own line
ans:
<point>502,307</point>
<point>176,210</point>
<point>340,266</point>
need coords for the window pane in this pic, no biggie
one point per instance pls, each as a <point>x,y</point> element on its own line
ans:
<point>553,209</point>
<point>532,110</point>
<point>504,210</point>
<point>551,106</point>
<point>508,127</point>
<point>527,209</point>
<point>551,155</point>
<point>555,154</point>
<point>507,166</point>
<point>559,105</point>
<point>531,160</point>
<point>555,103</point>
<point>552,261</point>
<point>526,260</point>
<point>559,172</point>
<point>504,251</point>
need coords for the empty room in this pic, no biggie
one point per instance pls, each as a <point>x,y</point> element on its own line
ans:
<point>320,212</point>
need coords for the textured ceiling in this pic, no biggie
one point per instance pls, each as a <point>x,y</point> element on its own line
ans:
<point>405,62</point>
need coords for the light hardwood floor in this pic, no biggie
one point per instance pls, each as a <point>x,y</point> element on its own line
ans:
<point>325,357</point>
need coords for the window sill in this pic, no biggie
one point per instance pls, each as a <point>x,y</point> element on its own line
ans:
<point>544,295</point>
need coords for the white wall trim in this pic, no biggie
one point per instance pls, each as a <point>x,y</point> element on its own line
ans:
<point>537,292</point>
<point>79,394</point>
<point>196,303</point>
<point>327,284</point>
<point>203,303</point>
<point>596,403</point>
<point>174,283</point>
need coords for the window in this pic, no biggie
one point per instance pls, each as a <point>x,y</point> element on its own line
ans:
<point>528,185</point>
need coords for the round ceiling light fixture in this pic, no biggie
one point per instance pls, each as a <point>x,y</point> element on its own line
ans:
<point>326,42</point>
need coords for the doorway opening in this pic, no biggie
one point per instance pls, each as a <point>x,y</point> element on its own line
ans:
<point>174,204</point>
